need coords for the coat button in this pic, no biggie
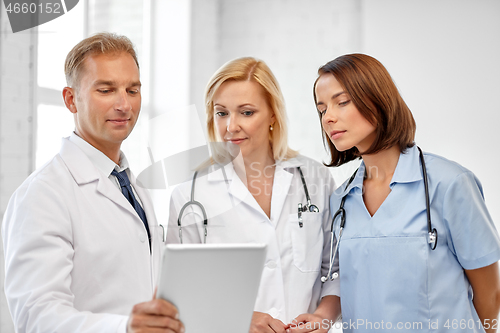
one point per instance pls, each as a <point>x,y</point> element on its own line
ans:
<point>273,312</point>
<point>142,237</point>
<point>271,264</point>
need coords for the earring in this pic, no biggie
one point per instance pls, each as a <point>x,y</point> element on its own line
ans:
<point>271,127</point>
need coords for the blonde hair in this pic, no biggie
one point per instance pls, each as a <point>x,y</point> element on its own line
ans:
<point>251,69</point>
<point>101,43</point>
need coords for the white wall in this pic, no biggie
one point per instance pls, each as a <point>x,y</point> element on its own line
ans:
<point>444,56</point>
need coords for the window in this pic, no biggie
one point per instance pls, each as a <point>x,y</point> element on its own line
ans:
<point>55,40</point>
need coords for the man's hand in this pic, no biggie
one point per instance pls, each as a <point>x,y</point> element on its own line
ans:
<point>156,315</point>
<point>264,323</point>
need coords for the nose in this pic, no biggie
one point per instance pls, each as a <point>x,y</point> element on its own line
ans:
<point>122,102</point>
<point>330,116</point>
<point>232,123</point>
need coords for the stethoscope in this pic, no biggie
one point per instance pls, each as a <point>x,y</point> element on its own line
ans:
<point>301,208</point>
<point>433,234</point>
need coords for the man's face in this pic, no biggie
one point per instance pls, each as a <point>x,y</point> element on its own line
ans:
<point>107,100</point>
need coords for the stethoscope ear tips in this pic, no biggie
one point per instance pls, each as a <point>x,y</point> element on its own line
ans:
<point>333,277</point>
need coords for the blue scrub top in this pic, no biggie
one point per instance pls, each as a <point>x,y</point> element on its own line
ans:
<point>390,279</point>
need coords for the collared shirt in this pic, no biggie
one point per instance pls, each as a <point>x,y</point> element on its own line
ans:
<point>385,259</point>
<point>290,283</point>
<point>103,163</point>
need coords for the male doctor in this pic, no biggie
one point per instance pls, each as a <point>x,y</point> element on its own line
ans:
<point>80,238</point>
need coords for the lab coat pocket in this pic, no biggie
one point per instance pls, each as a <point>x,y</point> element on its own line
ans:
<point>307,242</point>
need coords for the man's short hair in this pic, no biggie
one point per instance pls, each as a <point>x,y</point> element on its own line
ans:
<point>101,43</point>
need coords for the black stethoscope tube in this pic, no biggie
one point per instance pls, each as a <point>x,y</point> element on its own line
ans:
<point>433,234</point>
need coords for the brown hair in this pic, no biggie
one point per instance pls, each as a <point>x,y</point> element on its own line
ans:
<point>251,69</point>
<point>101,43</point>
<point>377,98</point>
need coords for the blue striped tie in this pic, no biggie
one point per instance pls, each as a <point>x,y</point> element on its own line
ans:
<point>129,194</point>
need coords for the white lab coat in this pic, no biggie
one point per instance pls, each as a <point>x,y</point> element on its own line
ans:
<point>76,252</point>
<point>290,282</point>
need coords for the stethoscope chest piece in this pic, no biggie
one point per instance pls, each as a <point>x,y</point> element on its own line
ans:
<point>433,238</point>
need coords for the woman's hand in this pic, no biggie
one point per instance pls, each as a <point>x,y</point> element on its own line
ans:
<point>264,323</point>
<point>321,320</point>
<point>309,322</point>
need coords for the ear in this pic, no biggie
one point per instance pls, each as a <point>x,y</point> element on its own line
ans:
<point>273,119</point>
<point>69,99</point>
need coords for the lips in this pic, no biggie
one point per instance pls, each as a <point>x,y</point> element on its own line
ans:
<point>119,121</point>
<point>236,140</point>
<point>336,134</point>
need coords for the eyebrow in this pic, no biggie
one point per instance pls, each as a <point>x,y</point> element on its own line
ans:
<point>338,94</point>
<point>113,83</point>
<point>239,106</point>
<point>246,104</point>
<point>333,97</point>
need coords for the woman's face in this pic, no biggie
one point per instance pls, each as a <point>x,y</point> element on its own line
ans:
<point>342,122</point>
<point>242,116</point>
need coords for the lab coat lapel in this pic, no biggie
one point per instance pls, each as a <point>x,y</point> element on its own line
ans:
<point>241,193</point>
<point>84,172</point>
<point>281,185</point>
<point>155,230</point>
<point>106,188</point>
<point>146,201</point>
<point>237,189</point>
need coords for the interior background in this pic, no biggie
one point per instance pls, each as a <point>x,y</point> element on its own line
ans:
<point>442,54</point>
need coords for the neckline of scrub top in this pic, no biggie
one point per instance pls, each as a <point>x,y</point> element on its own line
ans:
<point>408,170</point>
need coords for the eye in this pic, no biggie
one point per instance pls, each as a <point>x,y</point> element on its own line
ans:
<point>248,113</point>
<point>344,103</point>
<point>104,91</point>
<point>133,91</point>
<point>322,112</point>
<point>221,113</point>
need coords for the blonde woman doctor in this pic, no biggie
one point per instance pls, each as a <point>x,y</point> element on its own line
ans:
<point>256,197</point>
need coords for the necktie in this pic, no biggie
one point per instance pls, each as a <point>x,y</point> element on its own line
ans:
<point>129,194</point>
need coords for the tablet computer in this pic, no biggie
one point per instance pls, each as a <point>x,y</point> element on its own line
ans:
<point>214,286</point>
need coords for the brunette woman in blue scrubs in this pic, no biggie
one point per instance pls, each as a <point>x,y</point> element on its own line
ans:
<point>390,277</point>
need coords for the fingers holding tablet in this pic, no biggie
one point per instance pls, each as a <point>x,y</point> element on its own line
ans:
<point>153,315</point>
